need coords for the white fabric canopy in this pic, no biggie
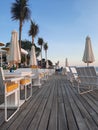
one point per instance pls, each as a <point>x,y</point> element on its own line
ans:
<point>33,60</point>
<point>1,52</point>
<point>24,51</point>
<point>88,56</point>
<point>66,62</point>
<point>14,52</point>
<point>47,65</point>
<point>1,44</point>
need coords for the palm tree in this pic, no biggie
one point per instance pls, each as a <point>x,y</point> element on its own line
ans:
<point>33,30</point>
<point>21,12</point>
<point>40,43</point>
<point>46,48</point>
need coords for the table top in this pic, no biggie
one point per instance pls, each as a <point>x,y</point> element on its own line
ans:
<point>13,79</point>
<point>17,74</point>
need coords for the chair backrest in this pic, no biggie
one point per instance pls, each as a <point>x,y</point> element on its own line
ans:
<point>73,72</point>
<point>81,74</point>
<point>1,81</point>
<point>92,73</point>
<point>68,73</point>
<point>87,75</point>
<point>67,69</point>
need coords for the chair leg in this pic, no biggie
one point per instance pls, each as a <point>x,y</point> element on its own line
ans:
<point>6,111</point>
<point>26,98</point>
<point>79,91</point>
<point>25,92</point>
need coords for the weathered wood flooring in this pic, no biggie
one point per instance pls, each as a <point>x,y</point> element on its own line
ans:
<point>55,106</point>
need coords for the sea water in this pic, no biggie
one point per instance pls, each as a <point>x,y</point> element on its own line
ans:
<point>96,68</point>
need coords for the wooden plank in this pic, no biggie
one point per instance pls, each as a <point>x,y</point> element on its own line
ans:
<point>17,119</point>
<point>94,97</point>
<point>29,112</point>
<point>92,104</point>
<point>4,125</point>
<point>62,122</point>
<point>62,118</point>
<point>44,121</point>
<point>35,122</point>
<point>86,116</point>
<point>56,106</point>
<point>1,117</point>
<point>53,116</point>
<point>72,125</point>
<point>78,116</point>
<point>92,113</point>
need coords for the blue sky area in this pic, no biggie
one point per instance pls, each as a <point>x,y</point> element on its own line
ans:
<point>63,24</point>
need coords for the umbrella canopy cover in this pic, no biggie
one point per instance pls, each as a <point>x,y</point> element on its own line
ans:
<point>33,61</point>
<point>66,62</point>
<point>23,51</point>
<point>14,51</point>
<point>47,65</point>
<point>5,48</point>
<point>88,56</point>
<point>2,51</point>
<point>1,44</point>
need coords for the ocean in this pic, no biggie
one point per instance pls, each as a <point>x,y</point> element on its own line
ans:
<point>96,68</point>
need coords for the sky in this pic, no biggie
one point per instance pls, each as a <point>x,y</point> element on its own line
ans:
<point>63,24</point>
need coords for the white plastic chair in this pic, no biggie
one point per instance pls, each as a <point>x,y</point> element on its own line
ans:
<point>10,89</point>
<point>26,82</point>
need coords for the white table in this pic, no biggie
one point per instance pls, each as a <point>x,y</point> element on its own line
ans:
<point>11,102</point>
<point>12,76</point>
<point>17,74</point>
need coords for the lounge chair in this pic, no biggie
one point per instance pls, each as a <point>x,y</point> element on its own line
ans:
<point>87,79</point>
<point>73,75</point>
<point>68,73</point>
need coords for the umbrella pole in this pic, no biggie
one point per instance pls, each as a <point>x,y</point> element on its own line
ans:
<point>87,64</point>
<point>1,59</point>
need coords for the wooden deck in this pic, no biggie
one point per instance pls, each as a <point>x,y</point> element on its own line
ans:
<point>55,106</point>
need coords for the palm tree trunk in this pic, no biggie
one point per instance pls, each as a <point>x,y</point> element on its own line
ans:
<point>46,55</point>
<point>41,56</point>
<point>32,40</point>
<point>20,31</point>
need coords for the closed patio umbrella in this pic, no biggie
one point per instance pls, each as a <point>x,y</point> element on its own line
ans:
<point>23,51</point>
<point>7,52</point>
<point>14,51</point>
<point>33,61</point>
<point>88,56</point>
<point>66,62</point>
<point>1,44</point>
<point>1,52</point>
<point>47,64</point>
<point>66,66</point>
